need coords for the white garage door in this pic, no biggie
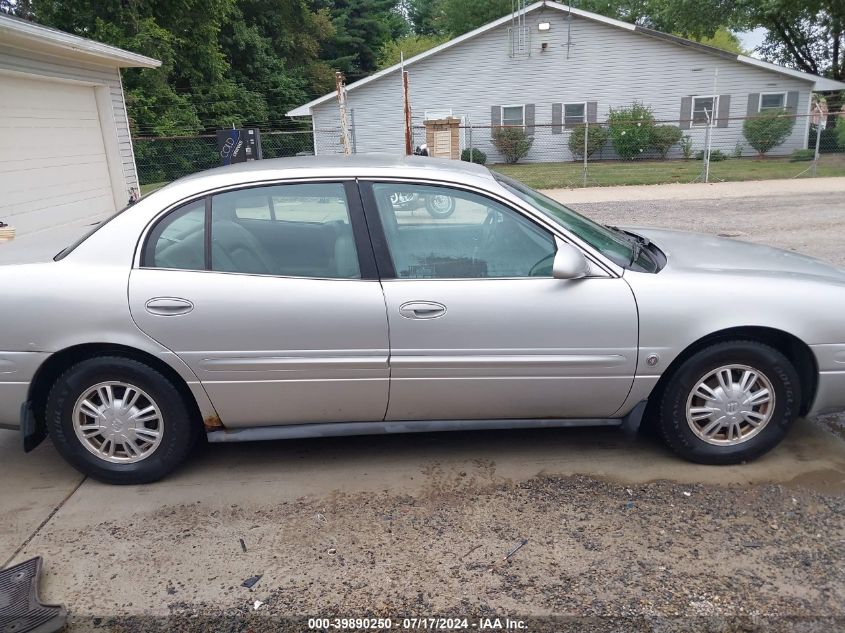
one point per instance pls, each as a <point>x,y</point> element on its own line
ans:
<point>53,168</point>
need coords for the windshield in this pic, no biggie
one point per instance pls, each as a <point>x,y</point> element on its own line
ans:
<point>612,244</point>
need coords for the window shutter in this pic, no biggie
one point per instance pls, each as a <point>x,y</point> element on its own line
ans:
<point>753,104</point>
<point>792,102</point>
<point>686,109</point>
<point>495,119</point>
<point>724,111</point>
<point>592,111</point>
<point>529,118</point>
<point>557,118</point>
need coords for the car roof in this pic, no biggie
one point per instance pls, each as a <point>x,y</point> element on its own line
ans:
<point>338,165</point>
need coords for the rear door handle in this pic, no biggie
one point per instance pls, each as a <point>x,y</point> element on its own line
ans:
<point>422,310</point>
<point>168,306</point>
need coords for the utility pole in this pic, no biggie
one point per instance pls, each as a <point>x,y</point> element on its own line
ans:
<point>406,105</point>
<point>341,102</point>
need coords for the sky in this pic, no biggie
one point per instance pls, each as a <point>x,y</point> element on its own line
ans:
<point>752,39</point>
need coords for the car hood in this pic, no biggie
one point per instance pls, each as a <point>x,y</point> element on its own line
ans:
<point>709,253</point>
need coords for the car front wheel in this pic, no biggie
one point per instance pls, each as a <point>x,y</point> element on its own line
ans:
<point>729,403</point>
<point>119,421</point>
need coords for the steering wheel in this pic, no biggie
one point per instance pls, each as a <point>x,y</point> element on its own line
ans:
<point>538,270</point>
<point>488,230</point>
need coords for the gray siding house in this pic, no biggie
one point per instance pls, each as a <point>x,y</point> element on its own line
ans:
<point>563,67</point>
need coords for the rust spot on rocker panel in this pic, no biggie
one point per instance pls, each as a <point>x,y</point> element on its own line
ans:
<point>213,423</point>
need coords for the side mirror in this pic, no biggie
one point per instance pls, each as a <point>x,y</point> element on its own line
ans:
<point>569,262</point>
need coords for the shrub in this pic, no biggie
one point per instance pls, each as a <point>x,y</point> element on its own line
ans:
<point>512,142</point>
<point>716,155</point>
<point>768,130</point>
<point>840,132</point>
<point>631,130</point>
<point>802,154</point>
<point>474,155</point>
<point>738,149</point>
<point>828,143</point>
<point>686,146</point>
<point>596,138</point>
<point>663,137</point>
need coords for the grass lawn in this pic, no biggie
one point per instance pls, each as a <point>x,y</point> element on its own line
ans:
<point>608,173</point>
<point>145,189</point>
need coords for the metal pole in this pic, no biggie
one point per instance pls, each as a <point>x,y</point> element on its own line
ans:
<point>586,140</point>
<point>352,130</point>
<point>341,102</point>
<point>819,121</point>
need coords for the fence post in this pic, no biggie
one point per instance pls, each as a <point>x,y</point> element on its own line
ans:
<point>819,120</point>
<point>708,139</point>
<point>469,132</point>
<point>586,139</point>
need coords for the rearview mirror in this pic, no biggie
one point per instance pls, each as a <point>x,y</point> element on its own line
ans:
<point>569,262</point>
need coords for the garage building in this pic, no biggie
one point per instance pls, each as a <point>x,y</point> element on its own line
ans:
<point>66,155</point>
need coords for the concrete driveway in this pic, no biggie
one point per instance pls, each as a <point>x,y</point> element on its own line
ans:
<point>422,524</point>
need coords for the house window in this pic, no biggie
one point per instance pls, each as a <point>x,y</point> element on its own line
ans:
<point>704,109</point>
<point>513,115</point>
<point>772,101</point>
<point>574,113</point>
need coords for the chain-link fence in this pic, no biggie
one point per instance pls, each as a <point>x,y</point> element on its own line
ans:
<point>161,159</point>
<point>550,155</point>
<point>631,152</point>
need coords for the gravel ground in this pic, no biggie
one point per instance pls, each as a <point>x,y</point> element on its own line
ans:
<point>812,223</point>
<point>655,557</point>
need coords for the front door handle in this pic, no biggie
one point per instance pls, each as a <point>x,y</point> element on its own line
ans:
<point>168,306</point>
<point>422,310</point>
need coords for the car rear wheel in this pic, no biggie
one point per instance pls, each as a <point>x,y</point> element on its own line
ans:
<point>119,421</point>
<point>729,403</point>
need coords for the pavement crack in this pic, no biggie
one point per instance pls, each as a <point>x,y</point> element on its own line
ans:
<point>41,525</point>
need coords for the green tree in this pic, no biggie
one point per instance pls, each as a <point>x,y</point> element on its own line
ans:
<point>723,39</point>
<point>361,28</point>
<point>460,16</point>
<point>390,52</point>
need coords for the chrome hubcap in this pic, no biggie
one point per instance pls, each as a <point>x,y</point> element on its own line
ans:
<point>730,405</point>
<point>118,422</point>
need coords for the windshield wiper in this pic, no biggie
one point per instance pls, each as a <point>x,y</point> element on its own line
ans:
<point>639,245</point>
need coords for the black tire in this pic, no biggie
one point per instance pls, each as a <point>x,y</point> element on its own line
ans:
<point>677,432</point>
<point>440,211</point>
<point>179,434</point>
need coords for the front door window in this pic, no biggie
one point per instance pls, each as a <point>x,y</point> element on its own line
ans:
<point>436,232</point>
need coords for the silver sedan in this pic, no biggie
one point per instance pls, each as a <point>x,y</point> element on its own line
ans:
<point>340,296</point>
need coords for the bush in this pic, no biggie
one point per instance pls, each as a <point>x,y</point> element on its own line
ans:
<point>663,137</point>
<point>631,130</point>
<point>828,143</point>
<point>686,146</point>
<point>768,130</point>
<point>596,138</point>
<point>474,156</point>
<point>840,133</point>
<point>802,154</point>
<point>512,142</point>
<point>716,155</point>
